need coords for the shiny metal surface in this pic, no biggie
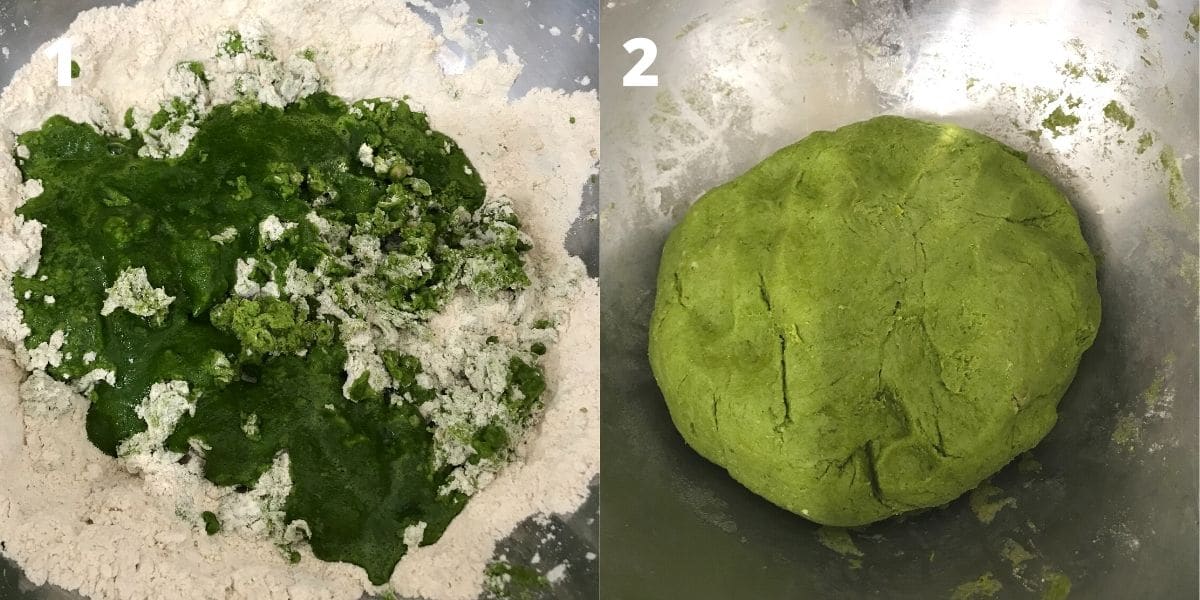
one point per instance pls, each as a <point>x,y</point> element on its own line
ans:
<point>1113,506</point>
<point>559,62</point>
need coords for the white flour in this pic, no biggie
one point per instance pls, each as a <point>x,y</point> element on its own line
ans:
<point>73,516</point>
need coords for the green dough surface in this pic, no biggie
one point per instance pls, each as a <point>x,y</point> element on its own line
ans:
<point>873,320</point>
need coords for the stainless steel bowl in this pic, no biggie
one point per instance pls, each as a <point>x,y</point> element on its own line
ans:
<point>1112,504</point>
<point>558,62</point>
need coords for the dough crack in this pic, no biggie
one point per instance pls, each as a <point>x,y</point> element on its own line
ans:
<point>1027,221</point>
<point>762,291</point>
<point>868,450</point>
<point>679,291</point>
<point>879,385</point>
<point>716,423</point>
<point>787,405</point>
<point>940,445</point>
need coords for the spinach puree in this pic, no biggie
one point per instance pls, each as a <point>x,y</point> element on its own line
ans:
<point>286,198</point>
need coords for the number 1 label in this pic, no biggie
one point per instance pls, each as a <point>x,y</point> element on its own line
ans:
<point>61,49</point>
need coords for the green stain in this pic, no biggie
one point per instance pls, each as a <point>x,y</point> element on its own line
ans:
<point>1059,120</point>
<point>363,471</point>
<point>1028,465</point>
<point>1057,585</point>
<point>233,44</point>
<point>987,586</point>
<point>986,503</point>
<point>1015,554</point>
<point>1177,194</point>
<point>514,582</point>
<point>197,69</point>
<point>1153,394</point>
<point>1113,111</point>
<point>75,70</point>
<point>1074,70</point>
<point>1127,431</point>
<point>1142,33</point>
<point>838,539</point>
<point>211,524</point>
<point>1144,142</point>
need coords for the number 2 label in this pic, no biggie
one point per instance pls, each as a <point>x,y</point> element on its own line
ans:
<point>61,49</point>
<point>637,77</point>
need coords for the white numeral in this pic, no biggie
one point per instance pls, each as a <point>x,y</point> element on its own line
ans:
<point>61,48</point>
<point>637,77</point>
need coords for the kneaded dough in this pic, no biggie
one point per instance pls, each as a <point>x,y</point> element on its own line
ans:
<point>873,320</point>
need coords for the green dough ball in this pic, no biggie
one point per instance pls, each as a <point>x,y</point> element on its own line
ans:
<point>873,320</point>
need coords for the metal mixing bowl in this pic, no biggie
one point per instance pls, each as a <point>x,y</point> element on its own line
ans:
<point>559,62</point>
<point>1113,506</point>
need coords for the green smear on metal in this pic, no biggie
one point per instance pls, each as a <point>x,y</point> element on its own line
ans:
<point>75,71</point>
<point>1058,120</point>
<point>1015,554</point>
<point>1177,195</point>
<point>838,539</point>
<point>1074,70</point>
<point>1043,97</point>
<point>1189,269</point>
<point>1028,465</point>
<point>691,26</point>
<point>1144,142</point>
<point>1127,431</point>
<point>987,586</point>
<point>1113,111</point>
<point>1057,585</point>
<point>1153,394</point>
<point>506,581</point>
<point>362,471</point>
<point>985,503</point>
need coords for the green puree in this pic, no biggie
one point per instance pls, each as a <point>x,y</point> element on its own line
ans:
<point>363,468</point>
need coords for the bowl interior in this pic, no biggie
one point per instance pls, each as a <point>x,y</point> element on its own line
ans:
<point>1108,499</point>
